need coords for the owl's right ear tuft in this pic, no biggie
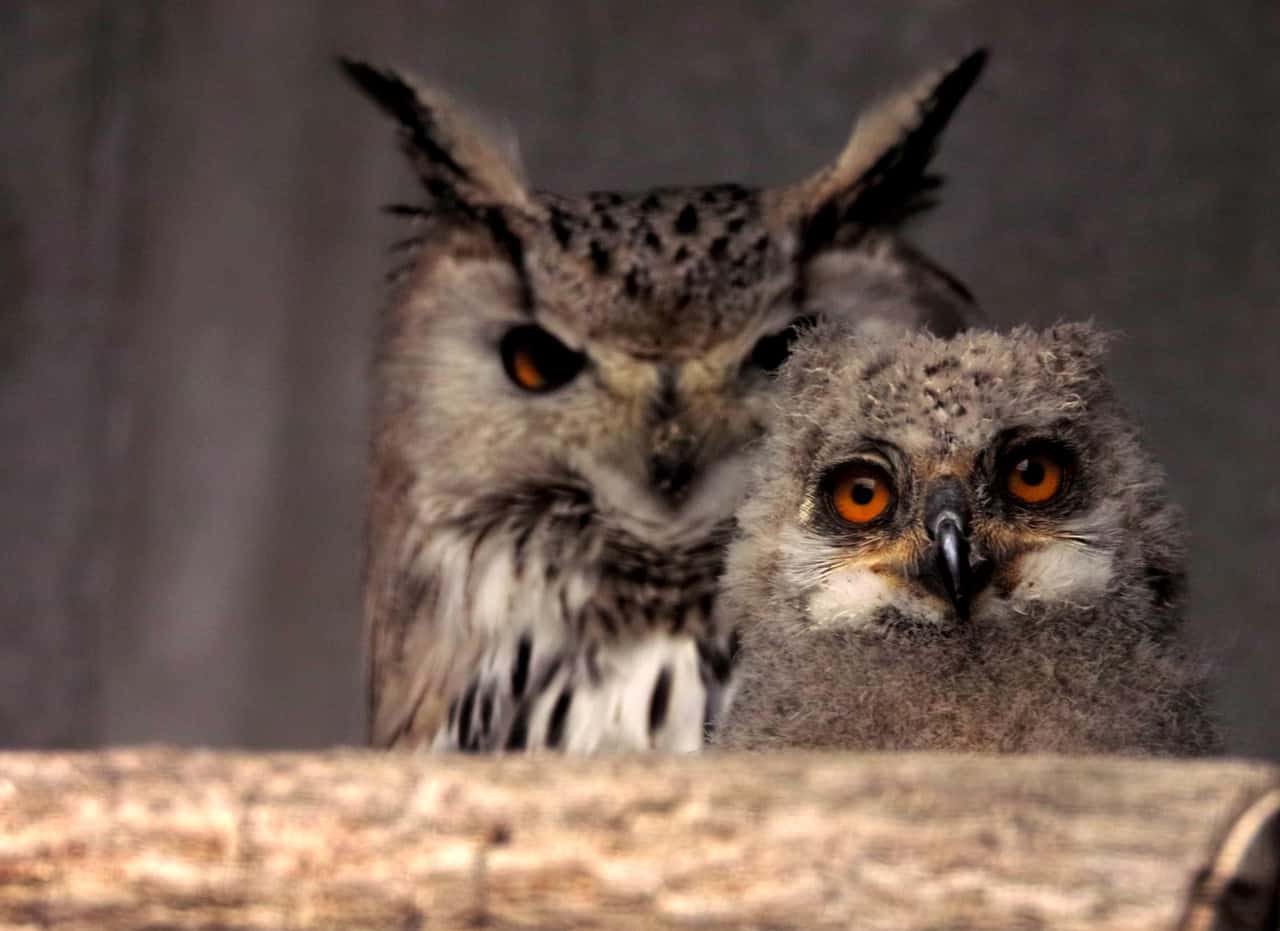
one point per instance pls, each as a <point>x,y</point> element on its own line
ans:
<point>1074,354</point>
<point>458,163</point>
<point>1081,340</point>
<point>881,176</point>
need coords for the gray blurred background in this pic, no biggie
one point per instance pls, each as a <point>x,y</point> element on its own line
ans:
<point>190,259</point>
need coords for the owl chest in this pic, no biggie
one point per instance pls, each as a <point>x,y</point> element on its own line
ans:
<point>584,655</point>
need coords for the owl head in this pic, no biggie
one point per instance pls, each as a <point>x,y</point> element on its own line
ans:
<point>628,341</point>
<point>960,545</point>
<point>979,481</point>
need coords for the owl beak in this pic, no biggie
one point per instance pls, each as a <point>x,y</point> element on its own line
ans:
<point>671,476</point>
<point>952,568</point>
<point>951,561</point>
<point>672,462</point>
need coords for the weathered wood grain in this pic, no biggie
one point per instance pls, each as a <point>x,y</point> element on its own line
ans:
<point>161,838</point>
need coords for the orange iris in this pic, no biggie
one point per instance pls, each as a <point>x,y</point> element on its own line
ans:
<point>526,372</point>
<point>1035,478</point>
<point>861,492</point>
<point>536,360</point>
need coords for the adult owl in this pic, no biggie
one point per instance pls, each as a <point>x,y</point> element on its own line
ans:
<point>960,545</point>
<point>565,391</point>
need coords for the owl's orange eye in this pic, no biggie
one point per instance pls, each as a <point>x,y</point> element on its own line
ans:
<point>537,361</point>
<point>525,371</point>
<point>1035,477</point>
<point>861,492</point>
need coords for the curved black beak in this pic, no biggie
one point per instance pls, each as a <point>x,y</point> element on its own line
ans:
<point>951,560</point>
<point>952,568</point>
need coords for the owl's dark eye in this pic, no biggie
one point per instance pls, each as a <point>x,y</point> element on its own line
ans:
<point>1036,474</point>
<point>860,492</point>
<point>537,361</point>
<point>771,351</point>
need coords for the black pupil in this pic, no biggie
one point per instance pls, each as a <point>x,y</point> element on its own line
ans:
<point>1032,472</point>
<point>555,362</point>
<point>772,350</point>
<point>864,489</point>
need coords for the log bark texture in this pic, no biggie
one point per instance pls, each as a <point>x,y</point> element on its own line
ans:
<point>160,838</point>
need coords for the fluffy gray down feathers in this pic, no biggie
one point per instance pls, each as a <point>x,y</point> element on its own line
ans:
<point>1067,666</point>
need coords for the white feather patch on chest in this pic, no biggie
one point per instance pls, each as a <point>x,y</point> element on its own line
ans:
<point>481,592</point>
<point>616,715</point>
<point>646,693</point>
<point>644,690</point>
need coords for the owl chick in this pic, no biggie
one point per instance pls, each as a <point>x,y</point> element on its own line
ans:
<point>565,392</point>
<point>960,545</point>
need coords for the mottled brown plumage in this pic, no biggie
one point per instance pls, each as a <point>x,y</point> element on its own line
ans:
<point>565,394</point>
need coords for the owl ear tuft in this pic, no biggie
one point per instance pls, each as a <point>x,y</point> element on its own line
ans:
<point>880,177</point>
<point>457,162</point>
<point>1074,354</point>
<point>1081,342</point>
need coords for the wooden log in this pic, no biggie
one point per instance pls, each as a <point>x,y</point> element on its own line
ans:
<point>172,839</point>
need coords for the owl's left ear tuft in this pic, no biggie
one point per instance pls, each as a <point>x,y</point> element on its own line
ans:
<point>1075,355</point>
<point>457,162</point>
<point>880,178</point>
<point>1080,341</point>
